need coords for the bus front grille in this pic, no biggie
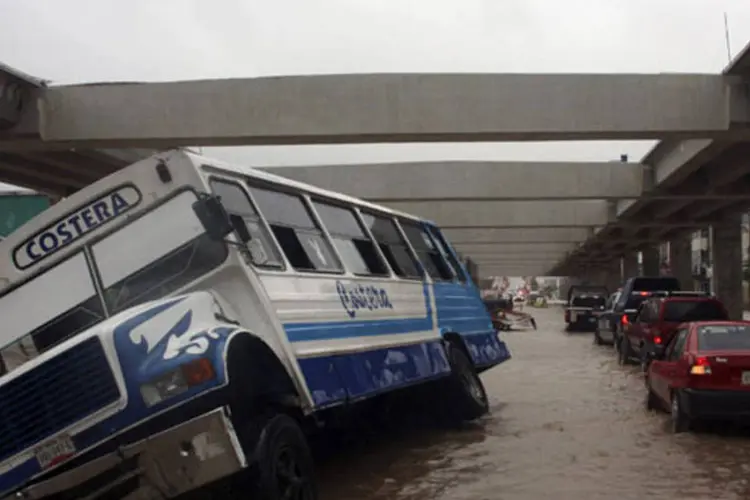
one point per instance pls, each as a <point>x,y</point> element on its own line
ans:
<point>54,395</point>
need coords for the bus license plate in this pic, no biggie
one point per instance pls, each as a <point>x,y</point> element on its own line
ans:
<point>55,451</point>
<point>745,378</point>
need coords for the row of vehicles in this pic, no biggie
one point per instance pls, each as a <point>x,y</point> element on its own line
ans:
<point>695,359</point>
<point>184,321</point>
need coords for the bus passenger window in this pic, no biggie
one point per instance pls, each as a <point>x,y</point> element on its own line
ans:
<point>427,252</point>
<point>393,246</point>
<point>449,256</point>
<point>354,246</point>
<point>299,236</point>
<point>262,249</point>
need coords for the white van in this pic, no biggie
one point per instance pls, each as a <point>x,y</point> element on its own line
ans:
<point>184,319</point>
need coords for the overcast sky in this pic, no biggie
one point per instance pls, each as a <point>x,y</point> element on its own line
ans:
<point>69,41</point>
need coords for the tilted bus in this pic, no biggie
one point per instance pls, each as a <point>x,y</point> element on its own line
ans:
<point>184,319</point>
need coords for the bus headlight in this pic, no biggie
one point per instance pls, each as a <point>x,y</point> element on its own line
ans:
<point>177,381</point>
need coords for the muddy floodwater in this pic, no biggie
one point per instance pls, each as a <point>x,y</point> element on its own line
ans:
<point>567,423</point>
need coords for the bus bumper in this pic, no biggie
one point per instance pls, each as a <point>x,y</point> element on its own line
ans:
<point>175,461</point>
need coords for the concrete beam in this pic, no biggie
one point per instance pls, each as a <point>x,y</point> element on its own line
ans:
<point>505,248</point>
<point>548,258</point>
<point>510,214</point>
<point>459,236</point>
<point>474,180</point>
<point>387,108</point>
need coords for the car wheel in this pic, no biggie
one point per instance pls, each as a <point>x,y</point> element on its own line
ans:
<point>597,337</point>
<point>645,361</point>
<point>467,397</point>
<point>652,401</point>
<point>625,352</point>
<point>680,421</point>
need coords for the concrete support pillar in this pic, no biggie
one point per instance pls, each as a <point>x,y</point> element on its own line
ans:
<point>650,256</point>
<point>681,259</point>
<point>611,276</point>
<point>630,265</point>
<point>726,249</point>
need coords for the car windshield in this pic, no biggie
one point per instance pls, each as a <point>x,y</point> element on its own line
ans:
<point>724,337</point>
<point>678,311</point>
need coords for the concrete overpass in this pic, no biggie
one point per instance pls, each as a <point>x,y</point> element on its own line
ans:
<point>332,109</point>
<point>483,203</point>
<point>56,172</point>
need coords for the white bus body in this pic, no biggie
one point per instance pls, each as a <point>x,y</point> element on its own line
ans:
<point>133,331</point>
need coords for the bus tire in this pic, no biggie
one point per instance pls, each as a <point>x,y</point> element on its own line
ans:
<point>467,398</point>
<point>283,464</point>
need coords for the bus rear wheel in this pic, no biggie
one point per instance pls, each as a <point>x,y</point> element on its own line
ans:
<point>466,396</point>
<point>283,462</point>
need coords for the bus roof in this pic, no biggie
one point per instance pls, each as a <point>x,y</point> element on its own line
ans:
<point>143,176</point>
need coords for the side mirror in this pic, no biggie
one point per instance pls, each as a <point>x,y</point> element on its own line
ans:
<point>213,217</point>
<point>217,222</point>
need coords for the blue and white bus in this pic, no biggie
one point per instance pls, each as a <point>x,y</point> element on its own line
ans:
<point>184,320</point>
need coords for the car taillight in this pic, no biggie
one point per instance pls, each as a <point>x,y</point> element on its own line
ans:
<point>625,319</point>
<point>657,340</point>
<point>701,366</point>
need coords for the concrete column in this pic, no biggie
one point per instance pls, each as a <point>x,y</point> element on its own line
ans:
<point>611,275</point>
<point>651,262</point>
<point>681,259</point>
<point>630,265</point>
<point>726,249</point>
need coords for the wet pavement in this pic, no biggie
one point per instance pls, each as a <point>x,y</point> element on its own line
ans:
<point>566,422</point>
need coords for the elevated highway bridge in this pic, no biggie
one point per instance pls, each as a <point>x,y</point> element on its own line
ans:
<point>516,218</point>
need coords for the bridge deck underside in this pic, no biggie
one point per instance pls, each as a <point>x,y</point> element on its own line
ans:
<point>659,220</point>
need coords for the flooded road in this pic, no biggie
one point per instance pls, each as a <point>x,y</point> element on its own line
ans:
<point>566,421</point>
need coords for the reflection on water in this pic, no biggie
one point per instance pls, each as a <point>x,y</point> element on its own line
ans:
<point>566,421</point>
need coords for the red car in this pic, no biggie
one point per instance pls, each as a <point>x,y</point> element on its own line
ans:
<point>658,318</point>
<point>704,373</point>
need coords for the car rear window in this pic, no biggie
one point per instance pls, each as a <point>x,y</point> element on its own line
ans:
<point>655,284</point>
<point>634,301</point>
<point>678,311</point>
<point>588,301</point>
<point>724,337</point>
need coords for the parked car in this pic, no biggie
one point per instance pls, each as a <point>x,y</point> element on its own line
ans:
<point>607,321</point>
<point>633,292</point>
<point>658,318</point>
<point>703,374</point>
<point>585,302</point>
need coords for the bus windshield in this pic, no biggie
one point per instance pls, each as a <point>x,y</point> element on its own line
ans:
<point>151,257</point>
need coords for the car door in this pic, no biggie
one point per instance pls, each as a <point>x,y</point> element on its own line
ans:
<point>645,323</point>
<point>633,330</point>
<point>607,320</point>
<point>664,372</point>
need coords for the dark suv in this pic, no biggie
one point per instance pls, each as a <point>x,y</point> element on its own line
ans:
<point>585,303</point>
<point>625,306</point>
<point>658,319</point>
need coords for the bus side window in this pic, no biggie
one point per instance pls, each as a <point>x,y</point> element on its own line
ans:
<point>356,249</point>
<point>300,238</point>
<point>448,255</point>
<point>427,251</point>
<point>262,249</point>
<point>393,245</point>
